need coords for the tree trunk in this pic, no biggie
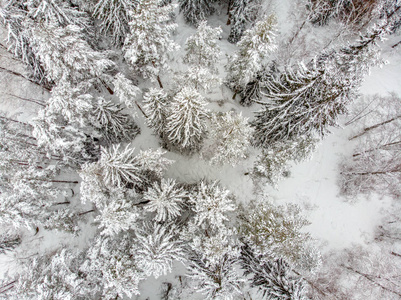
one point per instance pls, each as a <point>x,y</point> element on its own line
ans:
<point>373,149</point>
<point>140,108</point>
<point>369,278</point>
<point>26,99</point>
<point>22,76</point>
<point>159,81</point>
<point>367,129</point>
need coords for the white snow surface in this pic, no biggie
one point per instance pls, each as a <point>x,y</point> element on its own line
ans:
<point>336,222</point>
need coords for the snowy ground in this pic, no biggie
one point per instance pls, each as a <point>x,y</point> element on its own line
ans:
<point>336,222</point>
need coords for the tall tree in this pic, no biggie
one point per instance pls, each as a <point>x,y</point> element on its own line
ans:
<point>254,48</point>
<point>196,11</point>
<point>202,55</point>
<point>186,127</point>
<point>241,13</point>
<point>65,55</point>
<point>148,43</point>
<point>114,16</point>
<point>306,100</point>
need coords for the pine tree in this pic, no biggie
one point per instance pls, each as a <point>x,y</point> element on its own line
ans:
<point>186,126</point>
<point>254,48</point>
<point>276,232</point>
<point>273,279</point>
<point>114,16</point>
<point>60,11</point>
<point>148,43</point>
<point>202,55</point>
<point>125,90</point>
<point>157,248</point>
<point>50,277</point>
<point>19,40</point>
<point>121,167</point>
<point>229,139</point>
<point>165,199</point>
<point>241,13</point>
<point>110,269</point>
<point>196,11</point>
<point>65,55</point>
<point>215,281</point>
<point>118,215</point>
<point>114,124</point>
<point>306,100</point>
<point>157,110</point>
<point>211,203</point>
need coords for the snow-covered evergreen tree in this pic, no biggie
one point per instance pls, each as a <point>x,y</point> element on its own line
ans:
<point>51,277</point>
<point>118,215</point>
<point>186,125</point>
<point>202,55</point>
<point>306,100</point>
<point>165,199</point>
<point>254,48</point>
<point>148,43</point>
<point>229,139</point>
<point>112,122</point>
<point>19,38</point>
<point>110,269</point>
<point>125,90</point>
<point>273,279</point>
<point>215,281</point>
<point>114,16</point>
<point>65,55</point>
<point>211,203</point>
<point>157,109</point>
<point>195,11</point>
<point>121,167</point>
<point>9,241</point>
<point>242,13</point>
<point>60,11</point>
<point>156,249</point>
<point>274,162</point>
<point>276,232</point>
<point>58,137</point>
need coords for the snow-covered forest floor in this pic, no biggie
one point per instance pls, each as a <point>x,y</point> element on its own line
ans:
<point>338,224</point>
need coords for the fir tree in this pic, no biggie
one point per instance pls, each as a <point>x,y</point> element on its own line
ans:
<point>156,249</point>
<point>241,13</point>
<point>114,16</point>
<point>157,110</point>
<point>165,199</point>
<point>186,126</point>
<point>254,47</point>
<point>118,215</point>
<point>148,43</point>
<point>196,11</point>
<point>9,241</point>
